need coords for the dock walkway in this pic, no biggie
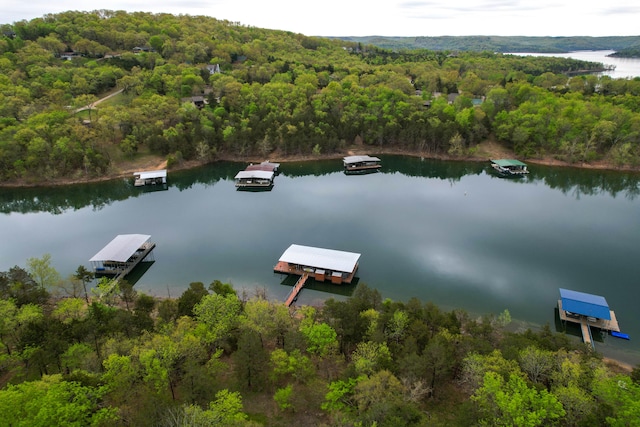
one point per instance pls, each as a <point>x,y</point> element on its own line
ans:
<point>586,334</point>
<point>296,289</point>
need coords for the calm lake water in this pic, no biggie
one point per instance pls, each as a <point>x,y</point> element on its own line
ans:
<point>624,67</point>
<point>447,232</point>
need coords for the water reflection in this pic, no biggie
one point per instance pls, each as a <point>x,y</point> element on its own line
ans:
<point>448,232</point>
<point>57,200</point>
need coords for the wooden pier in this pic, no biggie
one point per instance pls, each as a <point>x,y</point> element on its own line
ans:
<point>293,295</point>
<point>586,323</point>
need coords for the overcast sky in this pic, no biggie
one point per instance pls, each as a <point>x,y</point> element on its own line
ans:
<point>386,18</point>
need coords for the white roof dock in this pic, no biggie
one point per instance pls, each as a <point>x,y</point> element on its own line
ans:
<point>121,248</point>
<point>359,159</point>
<point>328,259</point>
<point>260,174</point>
<point>162,173</point>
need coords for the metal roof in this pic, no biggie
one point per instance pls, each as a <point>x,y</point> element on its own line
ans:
<point>358,159</point>
<point>264,166</point>
<point>585,304</point>
<point>328,259</point>
<point>508,162</point>
<point>151,174</point>
<point>255,174</point>
<point>121,247</point>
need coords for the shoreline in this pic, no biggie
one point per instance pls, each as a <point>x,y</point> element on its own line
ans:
<point>486,150</point>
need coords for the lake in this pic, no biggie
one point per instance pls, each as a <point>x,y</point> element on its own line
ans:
<point>624,67</point>
<point>448,232</point>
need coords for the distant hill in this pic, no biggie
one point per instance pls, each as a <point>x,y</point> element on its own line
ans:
<point>500,43</point>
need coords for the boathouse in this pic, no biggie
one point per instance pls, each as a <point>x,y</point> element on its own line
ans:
<point>588,310</point>
<point>360,163</point>
<point>320,264</point>
<point>264,166</point>
<point>150,177</point>
<point>254,178</point>
<point>122,254</point>
<point>509,167</point>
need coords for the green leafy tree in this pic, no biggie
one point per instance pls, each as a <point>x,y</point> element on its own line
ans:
<point>512,402</point>
<point>52,401</point>
<point>42,272</point>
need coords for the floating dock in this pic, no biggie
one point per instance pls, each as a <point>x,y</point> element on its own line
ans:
<point>122,255</point>
<point>355,164</point>
<point>319,264</point>
<point>589,311</point>
<point>254,179</point>
<point>157,177</point>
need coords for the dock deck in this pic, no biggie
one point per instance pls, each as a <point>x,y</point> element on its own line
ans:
<point>293,295</point>
<point>122,255</point>
<point>586,323</point>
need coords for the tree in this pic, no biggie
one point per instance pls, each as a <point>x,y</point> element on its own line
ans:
<point>43,272</point>
<point>380,401</point>
<point>189,298</point>
<point>52,401</point>
<point>513,403</point>
<point>217,315</point>
<point>370,357</point>
<point>621,395</point>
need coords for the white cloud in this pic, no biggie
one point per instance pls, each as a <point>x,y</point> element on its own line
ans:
<point>403,18</point>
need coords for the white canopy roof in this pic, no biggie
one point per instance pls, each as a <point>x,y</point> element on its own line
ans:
<point>358,159</point>
<point>151,174</point>
<point>321,258</point>
<point>121,248</point>
<point>255,174</point>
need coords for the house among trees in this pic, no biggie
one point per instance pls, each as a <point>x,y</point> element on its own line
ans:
<point>140,49</point>
<point>213,68</point>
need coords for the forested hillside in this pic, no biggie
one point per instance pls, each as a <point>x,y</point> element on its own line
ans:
<point>79,353</point>
<point>502,44</point>
<point>266,92</point>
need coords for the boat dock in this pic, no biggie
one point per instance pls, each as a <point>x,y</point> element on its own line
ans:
<point>293,295</point>
<point>120,256</point>
<point>318,264</point>
<point>355,164</point>
<point>157,177</point>
<point>590,311</point>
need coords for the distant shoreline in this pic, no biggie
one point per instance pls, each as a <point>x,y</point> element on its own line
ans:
<point>486,150</point>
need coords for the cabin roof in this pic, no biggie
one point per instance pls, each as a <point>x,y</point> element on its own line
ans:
<point>358,159</point>
<point>121,248</point>
<point>328,259</point>
<point>260,174</point>
<point>585,304</point>
<point>508,162</point>
<point>151,174</point>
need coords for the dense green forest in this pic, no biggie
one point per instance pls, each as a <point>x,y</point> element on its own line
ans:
<point>266,91</point>
<point>80,352</point>
<point>502,44</point>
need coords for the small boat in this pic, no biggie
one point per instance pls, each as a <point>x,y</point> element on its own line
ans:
<point>509,167</point>
<point>620,335</point>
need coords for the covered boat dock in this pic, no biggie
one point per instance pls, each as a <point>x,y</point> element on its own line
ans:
<point>509,167</point>
<point>360,163</point>
<point>318,264</point>
<point>264,166</point>
<point>150,177</point>
<point>122,254</point>
<point>588,310</point>
<point>254,178</point>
